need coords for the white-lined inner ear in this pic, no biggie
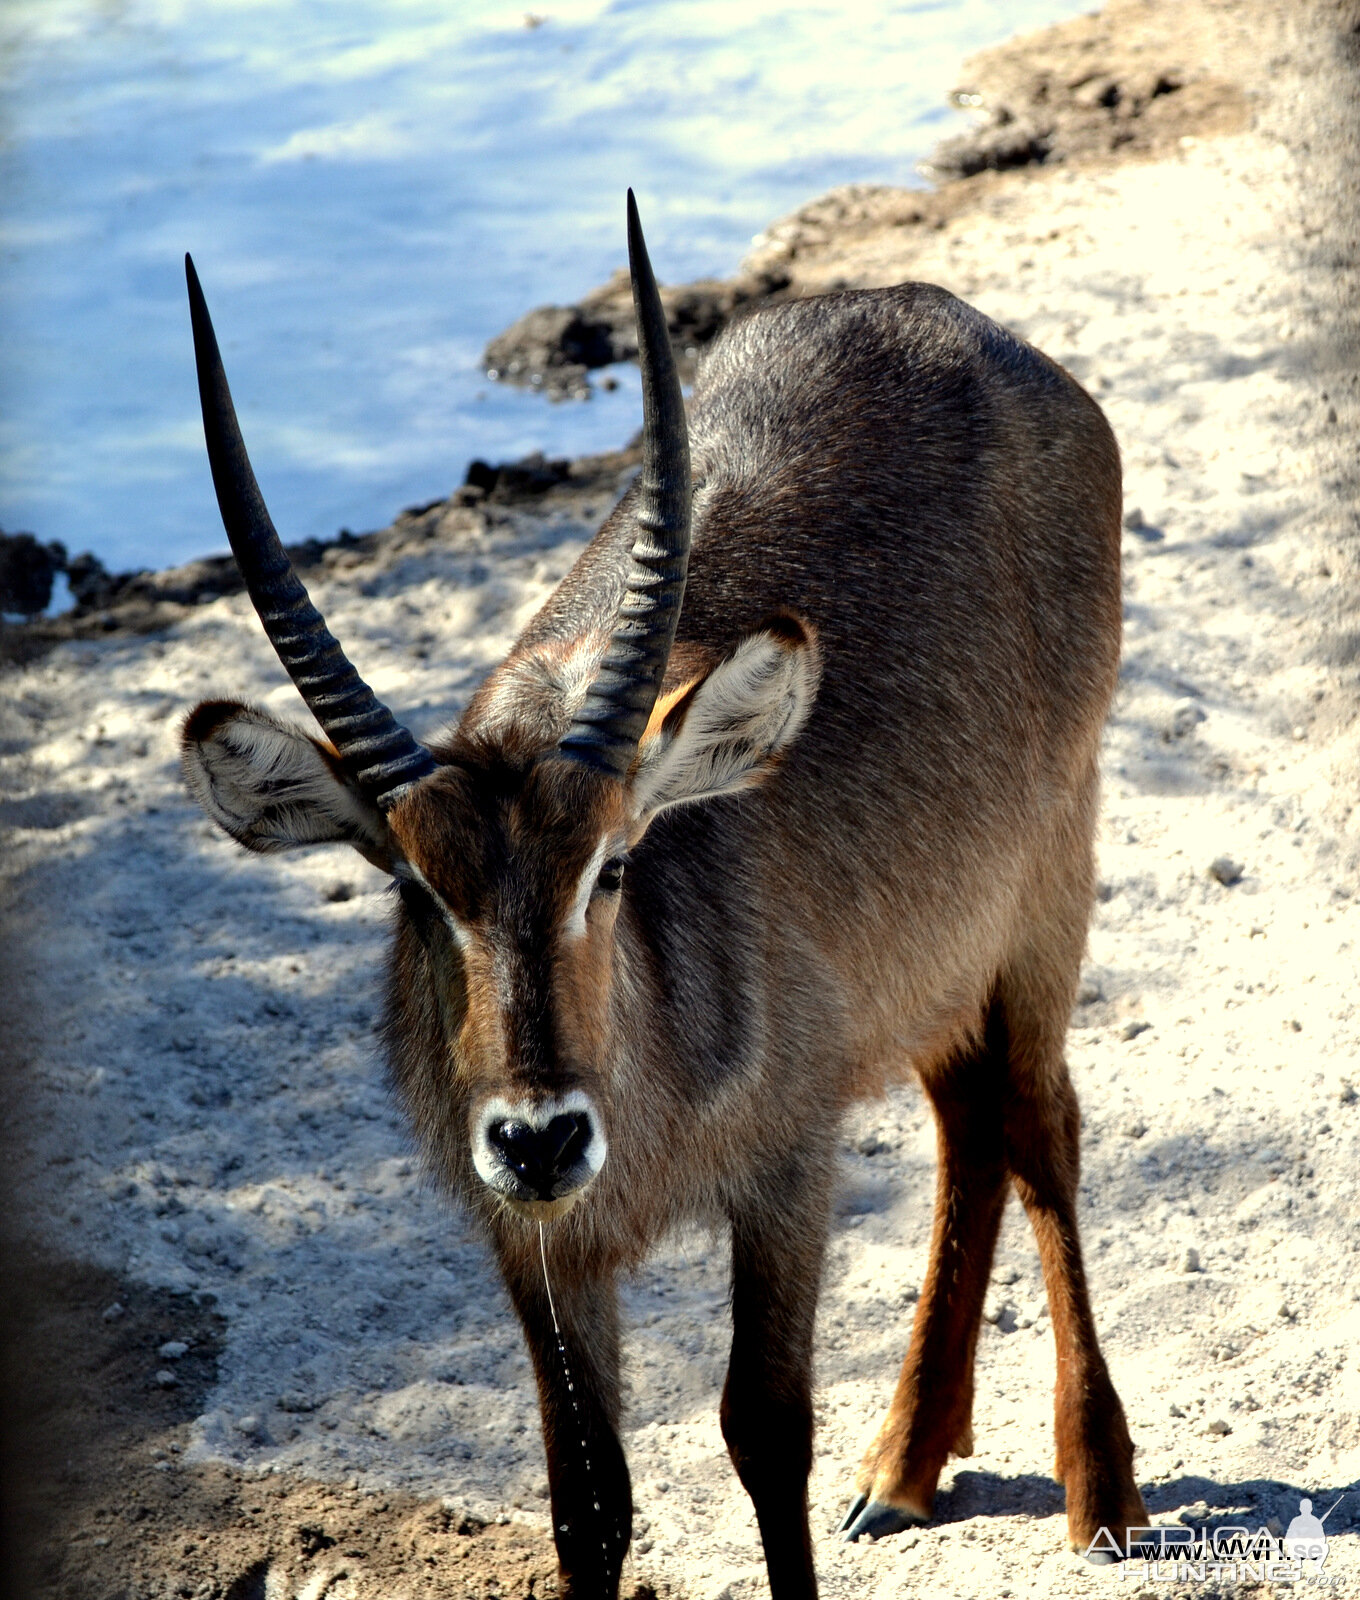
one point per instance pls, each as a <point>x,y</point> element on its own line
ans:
<point>270,785</point>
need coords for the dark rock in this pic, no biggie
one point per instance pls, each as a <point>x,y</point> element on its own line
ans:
<point>27,569</point>
<point>534,475</point>
<point>296,1402</point>
<point>481,476</point>
<point>90,582</point>
<point>999,145</point>
<point>314,1540</point>
<point>525,479</point>
<point>554,347</point>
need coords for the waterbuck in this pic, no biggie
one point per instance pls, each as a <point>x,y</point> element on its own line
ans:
<point>786,792</point>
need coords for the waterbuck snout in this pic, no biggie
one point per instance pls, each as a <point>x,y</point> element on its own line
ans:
<point>787,792</point>
<point>538,1156</point>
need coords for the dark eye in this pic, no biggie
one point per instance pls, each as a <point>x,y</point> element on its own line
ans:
<point>611,875</point>
<point>416,901</point>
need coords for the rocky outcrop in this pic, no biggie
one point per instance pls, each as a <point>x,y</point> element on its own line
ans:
<point>141,602</point>
<point>1129,81</point>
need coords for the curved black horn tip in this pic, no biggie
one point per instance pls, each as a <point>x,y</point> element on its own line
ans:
<point>205,338</point>
<point>191,278</point>
<point>638,259</point>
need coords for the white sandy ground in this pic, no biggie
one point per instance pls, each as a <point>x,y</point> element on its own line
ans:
<point>204,1107</point>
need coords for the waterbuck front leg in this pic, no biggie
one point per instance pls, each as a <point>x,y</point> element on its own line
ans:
<point>767,1400</point>
<point>573,1340</point>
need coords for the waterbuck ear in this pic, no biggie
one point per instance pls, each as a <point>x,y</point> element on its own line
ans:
<point>269,785</point>
<point>729,729</point>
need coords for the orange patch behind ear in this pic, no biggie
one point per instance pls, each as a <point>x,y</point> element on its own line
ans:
<point>726,729</point>
<point>672,701</point>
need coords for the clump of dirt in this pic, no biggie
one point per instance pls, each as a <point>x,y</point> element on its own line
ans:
<point>101,1380</point>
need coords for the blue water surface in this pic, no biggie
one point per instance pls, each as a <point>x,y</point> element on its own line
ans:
<point>371,189</point>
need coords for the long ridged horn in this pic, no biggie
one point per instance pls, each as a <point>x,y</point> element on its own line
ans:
<point>378,753</point>
<point>604,733</point>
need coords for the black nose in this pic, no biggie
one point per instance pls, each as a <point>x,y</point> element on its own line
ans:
<point>543,1158</point>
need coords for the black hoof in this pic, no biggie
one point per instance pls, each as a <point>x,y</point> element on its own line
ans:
<point>856,1506</point>
<point>1102,1558</point>
<point>870,1519</point>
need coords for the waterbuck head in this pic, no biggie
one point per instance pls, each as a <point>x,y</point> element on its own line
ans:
<point>510,841</point>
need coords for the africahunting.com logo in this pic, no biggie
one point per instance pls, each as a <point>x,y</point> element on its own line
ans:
<point>1178,1554</point>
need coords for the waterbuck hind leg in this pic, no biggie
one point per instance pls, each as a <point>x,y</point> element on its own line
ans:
<point>1093,1451</point>
<point>576,1363</point>
<point>767,1400</point>
<point>931,1414</point>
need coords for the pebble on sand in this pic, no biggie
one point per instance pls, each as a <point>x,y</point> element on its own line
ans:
<point>1186,715</point>
<point>1135,522</point>
<point>1226,871</point>
<point>295,1401</point>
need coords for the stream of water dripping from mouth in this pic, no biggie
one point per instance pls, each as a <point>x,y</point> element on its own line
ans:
<point>572,1396</point>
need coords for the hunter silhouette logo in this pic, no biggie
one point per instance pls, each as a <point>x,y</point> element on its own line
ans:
<point>1306,1539</point>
